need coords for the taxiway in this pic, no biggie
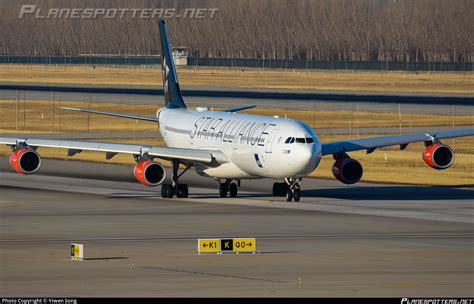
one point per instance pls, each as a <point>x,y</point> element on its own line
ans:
<point>361,240</point>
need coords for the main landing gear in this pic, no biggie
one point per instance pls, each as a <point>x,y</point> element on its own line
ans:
<point>290,188</point>
<point>228,187</point>
<point>175,188</point>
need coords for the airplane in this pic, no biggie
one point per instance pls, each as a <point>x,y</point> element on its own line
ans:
<point>230,146</point>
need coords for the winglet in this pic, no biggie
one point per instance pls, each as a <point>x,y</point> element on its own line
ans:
<point>171,90</point>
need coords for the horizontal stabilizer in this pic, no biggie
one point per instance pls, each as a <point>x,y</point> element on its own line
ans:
<point>130,116</point>
<point>239,109</point>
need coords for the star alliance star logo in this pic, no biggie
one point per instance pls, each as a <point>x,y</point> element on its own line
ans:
<point>166,73</point>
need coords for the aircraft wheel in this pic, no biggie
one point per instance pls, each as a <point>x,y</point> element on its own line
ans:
<point>163,191</point>
<point>185,190</point>
<point>167,191</point>
<point>233,190</point>
<point>279,189</point>
<point>276,189</point>
<point>289,195</point>
<point>182,191</point>
<point>223,189</point>
<point>297,195</point>
<point>283,188</point>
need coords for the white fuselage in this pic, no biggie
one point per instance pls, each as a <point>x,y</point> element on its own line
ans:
<point>257,146</point>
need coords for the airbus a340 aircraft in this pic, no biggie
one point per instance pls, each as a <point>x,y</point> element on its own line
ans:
<point>229,146</point>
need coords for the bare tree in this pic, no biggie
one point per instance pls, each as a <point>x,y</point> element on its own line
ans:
<point>389,30</point>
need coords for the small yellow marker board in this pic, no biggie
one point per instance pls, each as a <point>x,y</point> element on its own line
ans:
<point>209,245</point>
<point>77,251</point>
<point>245,245</point>
<point>220,246</point>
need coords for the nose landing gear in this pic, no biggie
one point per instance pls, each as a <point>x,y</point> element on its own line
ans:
<point>290,188</point>
<point>294,190</point>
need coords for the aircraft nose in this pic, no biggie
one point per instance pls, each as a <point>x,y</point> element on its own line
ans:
<point>308,158</point>
<point>306,155</point>
<point>314,156</point>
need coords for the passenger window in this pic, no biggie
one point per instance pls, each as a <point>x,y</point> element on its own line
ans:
<point>300,140</point>
<point>309,140</point>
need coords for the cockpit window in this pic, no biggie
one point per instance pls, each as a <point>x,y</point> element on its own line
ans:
<point>300,140</point>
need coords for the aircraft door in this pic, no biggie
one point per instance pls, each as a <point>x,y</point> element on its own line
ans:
<point>269,141</point>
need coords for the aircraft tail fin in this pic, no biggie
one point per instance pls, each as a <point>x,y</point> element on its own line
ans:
<point>171,90</point>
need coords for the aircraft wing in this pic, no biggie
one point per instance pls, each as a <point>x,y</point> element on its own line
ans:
<point>371,143</point>
<point>75,146</point>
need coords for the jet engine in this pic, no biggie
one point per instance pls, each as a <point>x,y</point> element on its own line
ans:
<point>347,170</point>
<point>25,160</point>
<point>438,156</point>
<point>149,173</point>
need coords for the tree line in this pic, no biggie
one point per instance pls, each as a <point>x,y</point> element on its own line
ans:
<point>326,30</point>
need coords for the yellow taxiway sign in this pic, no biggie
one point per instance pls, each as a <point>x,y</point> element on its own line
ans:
<point>234,245</point>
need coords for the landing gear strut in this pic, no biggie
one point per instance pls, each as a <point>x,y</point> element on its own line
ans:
<point>175,188</point>
<point>228,187</point>
<point>293,190</point>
